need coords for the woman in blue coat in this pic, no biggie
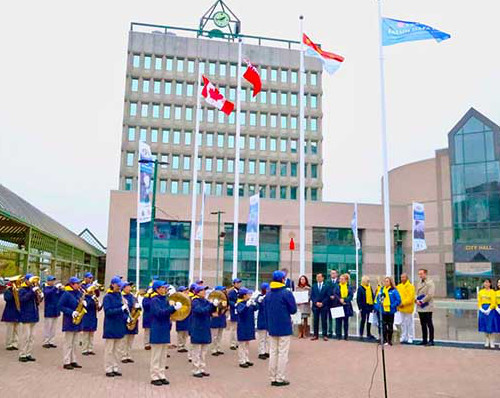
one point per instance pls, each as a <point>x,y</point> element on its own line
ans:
<point>217,325</point>
<point>68,304</point>
<point>201,311</point>
<point>245,307</point>
<point>11,316</point>
<point>115,318</point>
<point>160,331</point>
<point>262,335</point>
<point>387,302</point>
<point>343,296</point>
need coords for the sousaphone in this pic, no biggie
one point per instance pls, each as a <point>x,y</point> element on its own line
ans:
<point>184,311</point>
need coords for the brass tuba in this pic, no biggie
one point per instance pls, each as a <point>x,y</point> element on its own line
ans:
<point>16,282</point>
<point>35,281</point>
<point>222,307</point>
<point>185,310</point>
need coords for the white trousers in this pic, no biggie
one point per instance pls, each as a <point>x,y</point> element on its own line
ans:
<point>111,353</point>
<point>262,340</point>
<point>87,342</point>
<point>199,357</point>
<point>278,357</point>
<point>147,332</point>
<point>407,327</point>
<point>216,339</point>
<point>158,361</point>
<point>12,334</point>
<point>182,339</point>
<point>49,330</point>
<point>243,352</point>
<point>70,346</point>
<point>127,343</point>
<point>233,340</point>
<point>27,339</point>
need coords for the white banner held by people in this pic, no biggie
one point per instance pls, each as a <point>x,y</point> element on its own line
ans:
<point>252,235</point>
<point>418,227</point>
<point>144,208</point>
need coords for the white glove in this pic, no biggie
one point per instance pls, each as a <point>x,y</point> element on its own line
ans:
<point>249,303</point>
<point>75,314</point>
<point>84,303</point>
<point>215,302</point>
<point>124,307</point>
<point>137,306</point>
<point>177,306</point>
<point>41,294</point>
<point>260,299</point>
<point>35,288</point>
<point>58,285</point>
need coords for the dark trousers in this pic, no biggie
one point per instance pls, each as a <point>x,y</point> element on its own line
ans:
<point>342,323</point>
<point>387,326</point>
<point>365,315</point>
<point>427,327</point>
<point>320,314</point>
<point>330,323</point>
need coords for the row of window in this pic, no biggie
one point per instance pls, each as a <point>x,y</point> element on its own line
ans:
<point>221,165</point>
<point>222,69</point>
<point>166,87</point>
<point>177,187</point>
<point>185,113</point>
<point>223,141</point>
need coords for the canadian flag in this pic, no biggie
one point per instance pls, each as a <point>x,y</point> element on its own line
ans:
<point>253,77</point>
<point>215,98</point>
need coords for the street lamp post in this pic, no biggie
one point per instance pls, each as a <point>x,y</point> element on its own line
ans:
<point>398,263</point>
<point>218,213</point>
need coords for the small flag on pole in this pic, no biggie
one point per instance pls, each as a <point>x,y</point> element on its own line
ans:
<point>354,227</point>
<point>252,235</point>
<point>252,76</point>
<point>395,31</point>
<point>215,98</point>
<point>331,62</point>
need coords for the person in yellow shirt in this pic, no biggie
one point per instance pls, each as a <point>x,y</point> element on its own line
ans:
<point>497,315</point>
<point>407,292</point>
<point>486,304</point>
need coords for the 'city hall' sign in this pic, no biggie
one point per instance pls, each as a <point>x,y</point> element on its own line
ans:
<point>480,252</point>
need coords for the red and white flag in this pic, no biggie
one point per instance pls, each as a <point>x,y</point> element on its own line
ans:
<point>252,76</point>
<point>215,98</point>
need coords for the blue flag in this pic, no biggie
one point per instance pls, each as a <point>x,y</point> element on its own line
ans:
<point>395,31</point>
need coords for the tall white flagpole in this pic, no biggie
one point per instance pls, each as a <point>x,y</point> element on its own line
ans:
<point>387,211</point>
<point>302,210</point>
<point>236,189</point>
<point>257,263</point>
<point>138,224</point>
<point>195,179</point>
<point>356,239</point>
<point>412,245</point>
<point>202,226</point>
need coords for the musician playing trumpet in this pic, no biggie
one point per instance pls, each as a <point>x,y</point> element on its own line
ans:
<point>128,339</point>
<point>89,321</point>
<point>30,297</point>
<point>52,294</point>
<point>71,301</point>
<point>11,316</point>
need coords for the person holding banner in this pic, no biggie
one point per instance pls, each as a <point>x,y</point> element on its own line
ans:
<point>304,308</point>
<point>387,302</point>
<point>407,292</point>
<point>320,299</point>
<point>343,295</point>
<point>425,304</point>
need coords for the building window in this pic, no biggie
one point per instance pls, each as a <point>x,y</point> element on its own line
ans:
<point>187,162</point>
<point>262,168</point>
<point>157,87</point>
<point>168,88</point>
<point>243,119</point>
<point>263,120</point>
<point>218,188</point>
<point>251,143</point>
<point>272,144</point>
<point>185,187</point>
<point>178,113</point>
<point>284,76</point>
<point>211,68</point>
<point>314,194</point>
<point>263,97</point>
<point>314,101</point>
<point>201,65</point>
<point>169,65</point>
<point>274,97</point>
<point>177,137</point>
<point>229,189</point>
<point>131,134</point>
<point>243,94</point>
<point>134,85</point>
<point>293,146</point>
<point>293,99</point>
<point>180,65</point>
<point>221,117</point>
<point>144,110</point>
<point>293,122</point>
<point>274,121</point>
<point>272,192</point>
<point>242,166</point>
<point>283,169</point>
<point>189,90</point>
<point>282,192</point>
<point>130,159</point>
<point>187,138</point>
<point>293,193</point>
<point>272,168</point>
<point>133,109</point>
<point>174,187</point>
<point>242,142</point>
<point>136,61</point>
<point>263,73</point>
<point>220,165</point>
<point>222,69</point>
<point>158,63</point>
<point>166,112</point>
<point>190,66</point>
<point>283,122</point>
<point>274,75</point>
<point>232,70</point>
<point>147,62</point>
<point>210,139</point>
<point>198,163</point>
<point>156,111</point>
<point>284,99</point>
<point>175,162</point>
<point>251,166</point>
<point>251,189</point>
<point>294,76</point>
<point>230,165</point>
<point>165,136</point>
<point>283,145</point>
<point>313,124</point>
<point>242,190</point>
<point>178,89</point>
<point>253,119</point>
<point>230,141</point>
<point>210,115</point>
<point>143,135</point>
<point>314,79</point>
<point>164,159</point>
<point>128,183</point>
<point>293,169</point>
<point>154,135</point>
<point>189,114</point>
<point>208,164</point>
<point>262,143</point>
<point>220,140</point>
<point>163,186</point>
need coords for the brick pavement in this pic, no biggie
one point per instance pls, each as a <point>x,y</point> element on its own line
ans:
<point>337,368</point>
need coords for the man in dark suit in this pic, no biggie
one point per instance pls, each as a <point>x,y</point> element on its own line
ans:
<point>320,296</point>
<point>289,284</point>
<point>333,282</point>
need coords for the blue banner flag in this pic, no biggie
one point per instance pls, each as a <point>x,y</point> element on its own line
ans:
<point>395,31</point>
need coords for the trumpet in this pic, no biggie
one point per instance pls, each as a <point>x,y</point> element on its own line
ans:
<point>35,281</point>
<point>16,282</point>
<point>90,291</point>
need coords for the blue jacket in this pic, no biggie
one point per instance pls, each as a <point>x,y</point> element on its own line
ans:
<point>201,311</point>
<point>10,312</point>
<point>218,322</point>
<point>131,301</point>
<point>182,326</point>
<point>393,296</point>
<point>51,298</point>
<point>361,299</point>
<point>322,296</point>
<point>279,304</point>
<point>160,320</point>
<point>348,311</point>
<point>232,297</point>
<point>115,318</point>
<point>67,305</point>
<point>146,312</point>
<point>245,330</point>
<point>89,321</point>
<point>261,315</point>
<point>29,307</point>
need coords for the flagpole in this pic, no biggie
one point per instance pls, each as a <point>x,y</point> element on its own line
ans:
<point>236,189</point>
<point>385,163</point>
<point>356,238</point>
<point>138,225</point>
<point>257,263</point>
<point>412,245</point>
<point>195,179</point>
<point>302,210</point>
<point>202,226</point>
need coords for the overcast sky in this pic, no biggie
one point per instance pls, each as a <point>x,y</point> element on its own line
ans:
<point>63,72</point>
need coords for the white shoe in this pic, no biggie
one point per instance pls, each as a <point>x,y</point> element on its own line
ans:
<point>410,341</point>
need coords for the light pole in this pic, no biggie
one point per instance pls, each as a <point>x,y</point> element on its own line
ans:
<point>219,235</point>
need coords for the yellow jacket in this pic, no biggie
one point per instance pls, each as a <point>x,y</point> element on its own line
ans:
<point>486,297</point>
<point>407,293</point>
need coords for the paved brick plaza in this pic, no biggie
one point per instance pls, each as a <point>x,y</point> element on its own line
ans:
<point>314,368</point>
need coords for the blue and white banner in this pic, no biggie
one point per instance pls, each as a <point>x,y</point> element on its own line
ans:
<point>354,227</point>
<point>395,31</point>
<point>418,227</point>
<point>252,235</point>
<point>200,224</point>
<point>145,184</point>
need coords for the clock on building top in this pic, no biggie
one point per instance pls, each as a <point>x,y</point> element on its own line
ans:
<point>219,21</point>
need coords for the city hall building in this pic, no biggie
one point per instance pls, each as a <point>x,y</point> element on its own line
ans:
<point>459,186</point>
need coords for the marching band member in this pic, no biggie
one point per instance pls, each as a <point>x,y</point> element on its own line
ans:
<point>11,317</point>
<point>279,305</point>
<point>115,318</point>
<point>68,305</point>
<point>128,340</point>
<point>29,317</point>
<point>146,317</point>
<point>182,327</point>
<point>217,325</point>
<point>89,321</point>
<point>160,331</point>
<point>486,303</point>
<point>201,310</point>
<point>233,317</point>
<point>262,336</point>
<point>52,294</point>
<point>245,309</point>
